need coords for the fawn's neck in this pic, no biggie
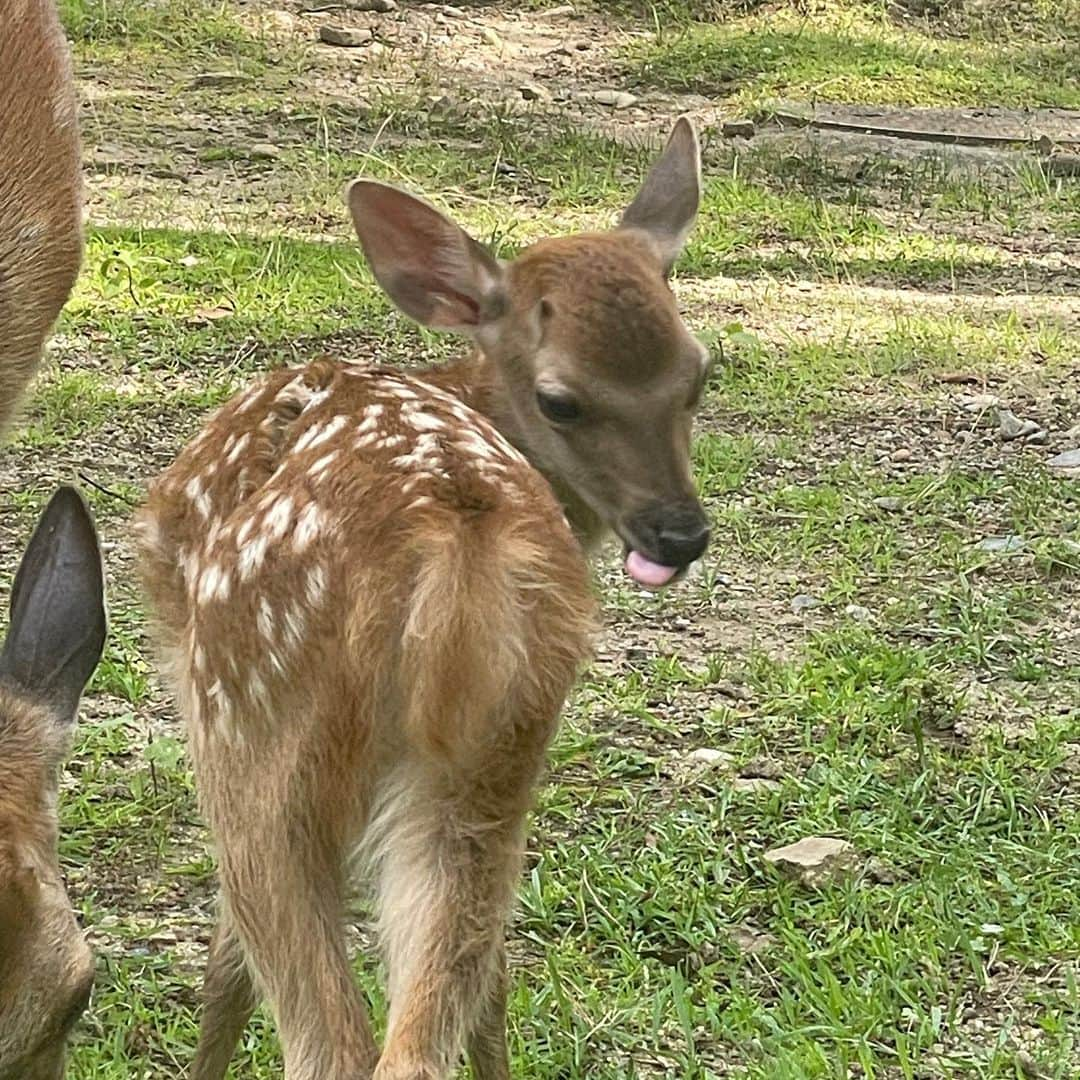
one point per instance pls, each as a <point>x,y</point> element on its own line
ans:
<point>475,381</point>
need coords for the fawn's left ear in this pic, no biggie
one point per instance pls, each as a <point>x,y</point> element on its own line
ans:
<point>57,628</point>
<point>668,201</point>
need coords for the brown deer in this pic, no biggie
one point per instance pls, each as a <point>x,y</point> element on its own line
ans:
<point>373,600</point>
<point>40,189</point>
<point>54,641</point>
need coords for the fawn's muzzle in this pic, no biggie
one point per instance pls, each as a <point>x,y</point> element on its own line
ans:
<point>663,540</point>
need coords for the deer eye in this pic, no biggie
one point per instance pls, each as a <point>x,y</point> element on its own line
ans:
<point>558,408</point>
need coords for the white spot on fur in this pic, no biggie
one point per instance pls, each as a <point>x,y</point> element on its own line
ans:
<point>309,524</point>
<point>278,518</point>
<point>215,584</point>
<point>320,466</point>
<point>196,492</point>
<point>264,619</point>
<point>239,447</point>
<point>420,421</point>
<point>294,625</point>
<point>315,586</point>
<point>320,433</point>
<point>252,556</point>
<point>244,532</point>
<point>248,400</point>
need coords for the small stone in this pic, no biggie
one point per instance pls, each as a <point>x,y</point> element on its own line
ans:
<point>754,785</point>
<point>561,11</point>
<point>978,403</point>
<point>889,503</point>
<point>993,929</point>
<point>383,7</point>
<point>705,757</point>
<point>881,872</point>
<point>1067,459</point>
<point>453,12</point>
<point>264,152</point>
<point>763,766</point>
<point>1011,427</point>
<point>814,861</point>
<point>491,37</point>
<point>1002,545</point>
<point>1037,438</point>
<point>1028,1066</point>
<point>749,940</point>
<point>216,79</point>
<point>737,129</point>
<point>615,99</point>
<point>343,36</point>
<point>858,613</point>
<point>804,602</point>
<point>903,454</point>
<point>534,92</point>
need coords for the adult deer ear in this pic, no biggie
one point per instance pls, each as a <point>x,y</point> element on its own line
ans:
<point>668,201</point>
<point>57,627</point>
<point>432,269</point>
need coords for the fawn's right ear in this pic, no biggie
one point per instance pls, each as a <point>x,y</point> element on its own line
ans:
<point>433,270</point>
<point>57,627</point>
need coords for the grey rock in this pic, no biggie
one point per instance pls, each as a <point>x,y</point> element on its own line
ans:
<point>264,152</point>
<point>534,92</point>
<point>858,613</point>
<point>382,7</point>
<point>343,36</point>
<point>815,860</point>
<point>978,403</point>
<point>491,36</point>
<point>615,99</point>
<point>1037,437</point>
<point>754,785</point>
<point>1011,427</point>
<point>889,503</point>
<point>1067,459</point>
<point>751,941</point>
<point>903,454</point>
<point>1002,545</point>
<point>705,757</point>
<point>804,602</point>
<point>561,12</point>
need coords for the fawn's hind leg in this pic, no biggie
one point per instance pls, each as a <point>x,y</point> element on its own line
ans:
<point>447,872</point>
<point>486,1042</point>
<point>282,815</point>
<point>229,999</point>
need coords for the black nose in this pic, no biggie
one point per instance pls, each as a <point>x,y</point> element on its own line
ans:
<point>672,534</point>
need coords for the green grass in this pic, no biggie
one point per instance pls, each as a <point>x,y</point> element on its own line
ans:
<point>925,710</point>
<point>853,53</point>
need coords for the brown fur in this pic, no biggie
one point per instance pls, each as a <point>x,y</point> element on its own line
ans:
<point>45,965</point>
<point>372,607</point>
<point>40,189</point>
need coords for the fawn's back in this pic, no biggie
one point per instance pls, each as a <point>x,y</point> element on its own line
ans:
<point>40,189</point>
<point>340,533</point>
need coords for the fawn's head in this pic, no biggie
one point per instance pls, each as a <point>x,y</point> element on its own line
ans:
<point>54,641</point>
<point>594,375</point>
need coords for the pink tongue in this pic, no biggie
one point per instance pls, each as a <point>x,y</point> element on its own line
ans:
<point>646,572</point>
